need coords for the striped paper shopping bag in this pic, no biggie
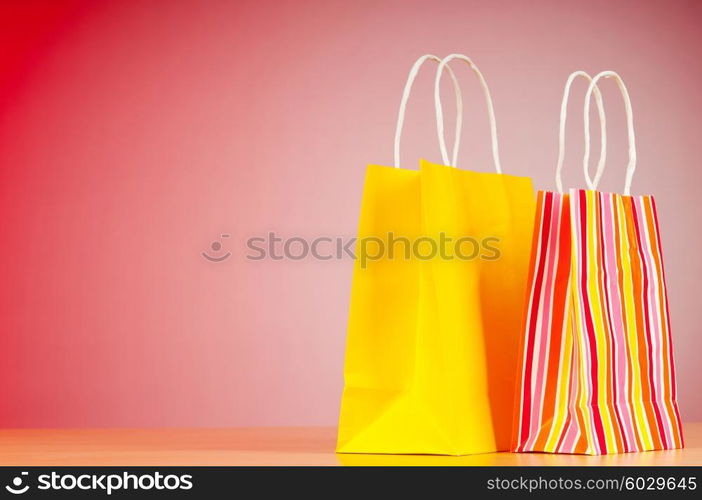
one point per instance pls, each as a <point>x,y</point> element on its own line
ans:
<point>597,359</point>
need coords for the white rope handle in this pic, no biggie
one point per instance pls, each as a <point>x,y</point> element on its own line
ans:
<point>562,126</point>
<point>405,97</point>
<point>440,112</point>
<point>631,165</point>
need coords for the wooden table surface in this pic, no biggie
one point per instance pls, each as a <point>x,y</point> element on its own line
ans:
<point>269,446</point>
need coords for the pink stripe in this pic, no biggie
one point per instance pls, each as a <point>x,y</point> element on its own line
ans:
<point>572,430</point>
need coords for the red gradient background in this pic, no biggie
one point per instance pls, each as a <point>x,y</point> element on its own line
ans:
<point>134,133</point>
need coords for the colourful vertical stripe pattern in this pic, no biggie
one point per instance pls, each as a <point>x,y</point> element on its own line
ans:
<point>597,359</point>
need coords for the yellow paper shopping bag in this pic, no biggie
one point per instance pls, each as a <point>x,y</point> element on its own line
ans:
<point>436,304</point>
